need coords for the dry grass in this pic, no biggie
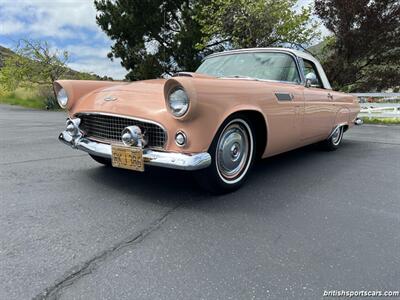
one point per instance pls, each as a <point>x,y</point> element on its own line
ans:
<point>23,97</point>
<point>383,121</point>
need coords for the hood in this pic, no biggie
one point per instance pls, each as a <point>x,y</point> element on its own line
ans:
<point>141,99</point>
<point>145,99</point>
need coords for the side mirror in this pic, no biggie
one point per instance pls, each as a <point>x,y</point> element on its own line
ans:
<point>311,79</point>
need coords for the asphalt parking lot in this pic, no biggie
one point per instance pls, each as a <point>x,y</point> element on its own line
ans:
<point>305,222</point>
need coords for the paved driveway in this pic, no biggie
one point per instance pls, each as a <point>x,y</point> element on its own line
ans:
<point>306,221</point>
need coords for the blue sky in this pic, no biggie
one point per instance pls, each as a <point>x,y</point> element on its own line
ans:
<point>66,24</point>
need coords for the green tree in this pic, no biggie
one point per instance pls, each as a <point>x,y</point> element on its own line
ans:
<point>33,64</point>
<point>255,23</point>
<point>156,37</point>
<point>152,37</point>
<point>364,52</point>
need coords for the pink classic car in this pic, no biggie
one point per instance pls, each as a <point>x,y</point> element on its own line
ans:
<point>237,107</point>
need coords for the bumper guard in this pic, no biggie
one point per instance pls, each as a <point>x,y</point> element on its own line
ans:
<point>171,160</point>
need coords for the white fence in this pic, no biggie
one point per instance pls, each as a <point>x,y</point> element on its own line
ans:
<point>387,109</point>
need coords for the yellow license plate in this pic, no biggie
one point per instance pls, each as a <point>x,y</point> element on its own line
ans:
<point>127,157</point>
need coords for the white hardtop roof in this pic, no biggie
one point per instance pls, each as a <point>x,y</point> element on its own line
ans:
<point>296,53</point>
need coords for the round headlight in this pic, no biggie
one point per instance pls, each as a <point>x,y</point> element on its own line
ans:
<point>62,98</point>
<point>178,102</point>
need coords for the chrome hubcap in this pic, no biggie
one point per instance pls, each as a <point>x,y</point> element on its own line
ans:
<point>336,136</point>
<point>233,151</point>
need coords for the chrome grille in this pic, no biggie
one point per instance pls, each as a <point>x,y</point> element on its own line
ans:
<point>109,128</point>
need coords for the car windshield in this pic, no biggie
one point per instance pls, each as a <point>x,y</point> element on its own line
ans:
<point>260,65</point>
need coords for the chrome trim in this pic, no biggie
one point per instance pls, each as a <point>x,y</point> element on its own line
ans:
<point>358,121</point>
<point>337,136</point>
<point>171,160</point>
<point>110,98</point>
<point>258,79</point>
<point>234,151</point>
<point>72,125</point>
<point>334,129</point>
<point>121,116</point>
<point>132,136</point>
<point>128,117</point>
<point>167,101</point>
<point>184,135</point>
<point>182,74</point>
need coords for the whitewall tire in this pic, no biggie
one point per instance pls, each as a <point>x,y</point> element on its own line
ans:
<point>232,152</point>
<point>335,139</point>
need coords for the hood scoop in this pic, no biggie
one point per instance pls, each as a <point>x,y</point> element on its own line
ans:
<point>183,74</point>
<point>191,74</point>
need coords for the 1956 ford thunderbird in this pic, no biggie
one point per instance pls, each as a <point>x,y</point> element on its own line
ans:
<point>237,107</point>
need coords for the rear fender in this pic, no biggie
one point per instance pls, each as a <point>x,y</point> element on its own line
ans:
<point>342,117</point>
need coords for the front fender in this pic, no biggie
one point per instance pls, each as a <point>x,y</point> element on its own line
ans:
<point>202,130</point>
<point>76,89</point>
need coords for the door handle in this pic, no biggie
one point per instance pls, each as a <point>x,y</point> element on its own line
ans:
<point>330,96</point>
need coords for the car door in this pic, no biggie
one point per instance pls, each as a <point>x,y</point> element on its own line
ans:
<point>284,112</point>
<point>319,111</point>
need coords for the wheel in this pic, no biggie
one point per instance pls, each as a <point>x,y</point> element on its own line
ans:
<point>101,160</point>
<point>232,154</point>
<point>334,141</point>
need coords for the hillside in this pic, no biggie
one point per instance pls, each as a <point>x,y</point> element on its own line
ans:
<point>320,50</point>
<point>32,95</point>
<point>69,74</point>
<point>4,52</point>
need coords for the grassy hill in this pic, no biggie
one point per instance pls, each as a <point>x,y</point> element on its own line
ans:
<point>69,74</point>
<point>36,96</point>
<point>4,52</point>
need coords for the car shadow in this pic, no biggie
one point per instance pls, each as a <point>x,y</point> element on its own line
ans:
<point>162,186</point>
<point>271,179</point>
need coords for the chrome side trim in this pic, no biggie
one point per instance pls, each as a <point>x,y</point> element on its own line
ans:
<point>127,117</point>
<point>181,161</point>
<point>258,79</point>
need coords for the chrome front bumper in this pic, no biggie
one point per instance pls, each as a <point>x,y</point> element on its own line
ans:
<point>171,160</point>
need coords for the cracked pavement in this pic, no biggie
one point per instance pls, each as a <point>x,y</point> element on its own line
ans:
<point>305,222</point>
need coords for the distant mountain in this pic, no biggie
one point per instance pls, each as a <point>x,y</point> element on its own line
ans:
<point>316,49</point>
<point>320,51</point>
